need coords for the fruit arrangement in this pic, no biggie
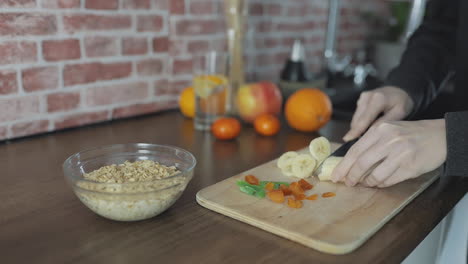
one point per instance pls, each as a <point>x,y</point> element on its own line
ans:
<point>260,104</point>
<point>278,191</point>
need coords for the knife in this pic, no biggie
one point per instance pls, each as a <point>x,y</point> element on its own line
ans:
<point>339,152</point>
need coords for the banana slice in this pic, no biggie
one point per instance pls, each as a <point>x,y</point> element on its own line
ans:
<point>283,160</point>
<point>324,172</point>
<point>320,149</point>
<point>287,166</point>
<point>303,165</point>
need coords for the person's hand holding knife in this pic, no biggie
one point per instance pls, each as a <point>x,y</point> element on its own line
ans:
<point>390,151</point>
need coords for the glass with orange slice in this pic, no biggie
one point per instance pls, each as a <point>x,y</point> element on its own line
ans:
<point>211,89</point>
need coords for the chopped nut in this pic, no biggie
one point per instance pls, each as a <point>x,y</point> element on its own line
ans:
<point>138,171</point>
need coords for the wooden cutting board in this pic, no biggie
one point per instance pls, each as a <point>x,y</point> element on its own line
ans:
<point>336,225</point>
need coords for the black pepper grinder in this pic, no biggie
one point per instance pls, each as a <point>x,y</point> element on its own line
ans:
<point>293,73</point>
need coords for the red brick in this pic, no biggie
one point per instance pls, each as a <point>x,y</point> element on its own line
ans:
<point>57,102</point>
<point>160,4</point>
<point>177,6</point>
<point>280,58</point>
<point>116,94</point>
<point>182,66</point>
<point>256,9</point>
<point>194,27</point>
<point>134,46</point>
<point>164,88</point>
<point>136,4</point>
<point>271,43</point>
<point>61,3</point>
<point>92,72</point>
<point>175,87</point>
<point>161,87</point>
<point>295,11</point>
<point>102,4</point>
<point>160,44</point>
<point>41,78</point>
<point>274,9</point>
<point>150,23</point>
<point>21,24</point>
<point>57,50</point>
<point>98,46</point>
<point>80,119</point>
<point>134,110</point>
<point>177,47</point>
<point>265,59</point>
<point>198,46</point>
<point>18,107</point>
<point>150,67</point>
<point>288,27</point>
<point>18,3</point>
<point>202,7</point>
<point>75,23</point>
<point>8,83</point>
<point>264,27</point>
<point>29,128</point>
<point>288,42</point>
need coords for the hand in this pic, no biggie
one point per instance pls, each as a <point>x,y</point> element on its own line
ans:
<point>393,102</point>
<point>394,151</point>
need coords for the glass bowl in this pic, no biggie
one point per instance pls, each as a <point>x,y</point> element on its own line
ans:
<point>130,201</point>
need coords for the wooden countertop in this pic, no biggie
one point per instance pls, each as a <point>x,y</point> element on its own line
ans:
<point>41,220</point>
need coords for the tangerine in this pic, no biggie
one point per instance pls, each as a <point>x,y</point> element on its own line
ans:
<point>226,128</point>
<point>267,124</point>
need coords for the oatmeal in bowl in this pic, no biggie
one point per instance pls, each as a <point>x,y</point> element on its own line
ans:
<point>129,182</point>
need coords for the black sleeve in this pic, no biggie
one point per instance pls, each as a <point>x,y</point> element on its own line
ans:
<point>456,124</point>
<point>429,56</point>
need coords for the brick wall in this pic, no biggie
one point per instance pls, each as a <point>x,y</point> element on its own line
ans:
<point>65,63</point>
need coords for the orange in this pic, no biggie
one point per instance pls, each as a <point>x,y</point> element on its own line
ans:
<point>187,102</point>
<point>308,110</point>
<point>226,128</point>
<point>267,124</point>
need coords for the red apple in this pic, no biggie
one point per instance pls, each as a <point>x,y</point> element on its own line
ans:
<point>258,98</point>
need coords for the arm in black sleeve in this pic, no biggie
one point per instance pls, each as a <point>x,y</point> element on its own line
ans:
<point>429,56</point>
<point>456,124</point>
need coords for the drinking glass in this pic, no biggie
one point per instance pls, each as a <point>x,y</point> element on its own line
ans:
<point>212,90</point>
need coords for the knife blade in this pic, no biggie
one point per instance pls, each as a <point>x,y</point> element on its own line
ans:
<point>343,149</point>
<point>339,152</point>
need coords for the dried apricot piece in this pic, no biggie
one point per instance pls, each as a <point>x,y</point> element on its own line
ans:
<point>296,188</point>
<point>252,179</point>
<point>270,186</point>
<point>328,194</point>
<point>285,189</point>
<point>300,197</point>
<point>312,197</point>
<point>294,203</point>
<point>305,185</point>
<point>276,196</point>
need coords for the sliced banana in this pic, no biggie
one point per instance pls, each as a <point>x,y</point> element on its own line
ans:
<point>287,166</point>
<point>320,149</point>
<point>283,161</point>
<point>324,172</point>
<point>303,165</point>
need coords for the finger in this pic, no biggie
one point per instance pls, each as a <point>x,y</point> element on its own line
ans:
<point>366,162</point>
<point>373,109</point>
<point>393,115</point>
<point>360,109</point>
<point>384,170</point>
<point>401,174</point>
<point>342,169</point>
